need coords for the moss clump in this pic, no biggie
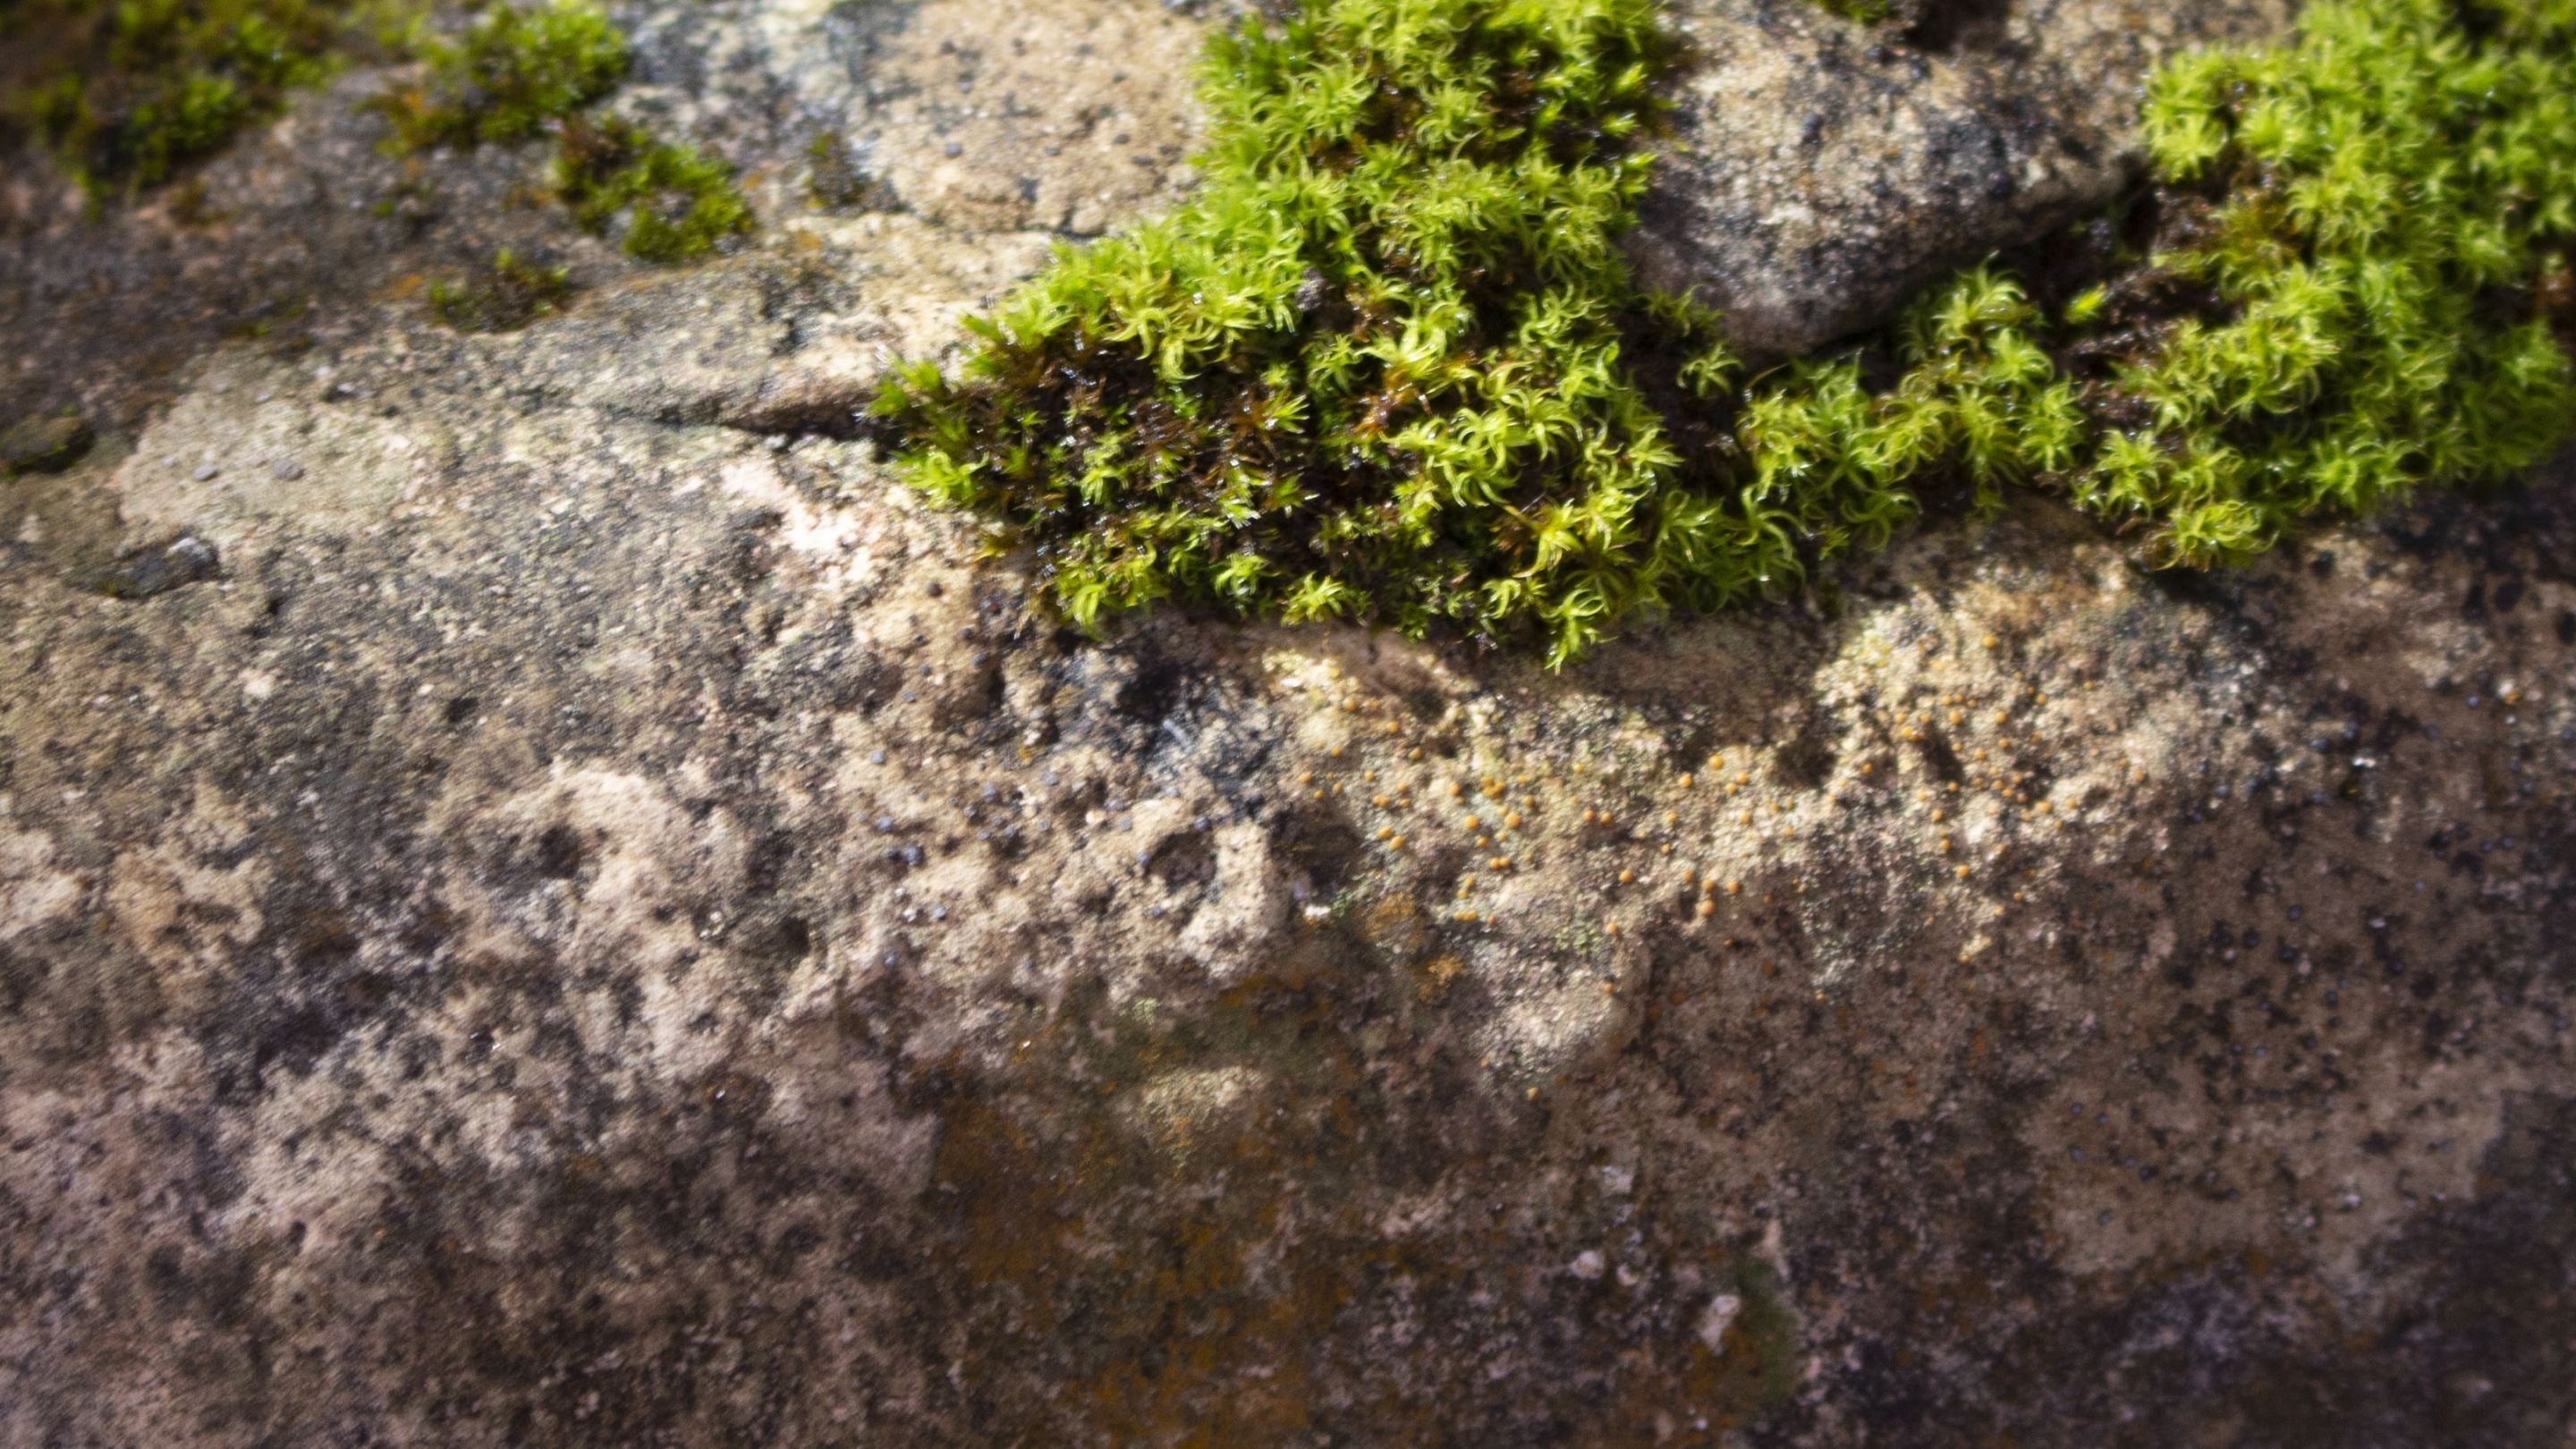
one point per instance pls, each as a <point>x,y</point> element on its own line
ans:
<point>513,74</point>
<point>522,73</point>
<point>672,204</point>
<point>2354,301</point>
<point>2393,194</point>
<point>45,444</point>
<point>1390,364</point>
<point>507,296</point>
<point>1376,368</point>
<point>127,94</point>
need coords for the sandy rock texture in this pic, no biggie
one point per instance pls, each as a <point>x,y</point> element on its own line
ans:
<point>1818,171</point>
<point>544,900</point>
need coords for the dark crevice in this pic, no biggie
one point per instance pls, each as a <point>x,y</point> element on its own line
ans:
<point>1958,25</point>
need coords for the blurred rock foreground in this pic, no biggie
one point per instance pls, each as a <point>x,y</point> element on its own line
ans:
<point>542,901</point>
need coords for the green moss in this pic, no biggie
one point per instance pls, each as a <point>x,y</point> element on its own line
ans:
<point>506,296</point>
<point>1389,363</point>
<point>1375,369</point>
<point>127,94</point>
<point>512,75</point>
<point>2393,192</point>
<point>669,203</point>
<point>264,318</point>
<point>523,73</point>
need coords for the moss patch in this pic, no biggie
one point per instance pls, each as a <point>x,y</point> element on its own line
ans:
<point>44,444</point>
<point>520,74</point>
<point>1376,368</point>
<point>2394,199</point>
<point>669,203</point>
<point>128,93</point>
<point>1390,364</point>
<point>508,295</point>
<point>512,75</point>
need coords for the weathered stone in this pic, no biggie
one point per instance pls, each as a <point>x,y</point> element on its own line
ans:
<point>607,923</point>
<point>44,445</point>
<point>1060,119</point>
<point>600,927</point>
<point>1820,171</point>
<point>155,569</point>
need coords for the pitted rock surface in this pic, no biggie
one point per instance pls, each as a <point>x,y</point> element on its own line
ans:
<point>584,914</point>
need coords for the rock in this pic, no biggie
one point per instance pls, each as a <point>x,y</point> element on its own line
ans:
<point>1243,911</point>
<point>607,922</point>
<point>154,570</point>
<point>1819,171</point>
<point>1067,117</point>
<point>595,966</point>
<point>44,445</point>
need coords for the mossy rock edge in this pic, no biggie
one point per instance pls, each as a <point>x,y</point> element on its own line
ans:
<point>1391,364</point>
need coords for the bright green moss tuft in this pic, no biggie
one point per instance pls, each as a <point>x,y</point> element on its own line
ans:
<point>1867,12</point>
<point>1389,363</point>
<point>2394,193</point>
<point>1376,369</point>
<point>126,94</point>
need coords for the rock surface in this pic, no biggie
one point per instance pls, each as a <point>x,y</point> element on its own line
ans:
<point>573,911</point>
<point>1064,116</point>
<point>1820,171</point>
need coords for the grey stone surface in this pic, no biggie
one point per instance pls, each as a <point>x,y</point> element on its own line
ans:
<point>582,914</point>
<point>1059,116</point>
<point>1819,171</point>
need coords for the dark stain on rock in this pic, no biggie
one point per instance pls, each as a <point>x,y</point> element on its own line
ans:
<point>557,853</point>
<point>1954,25</point>
<point>45,444</point>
